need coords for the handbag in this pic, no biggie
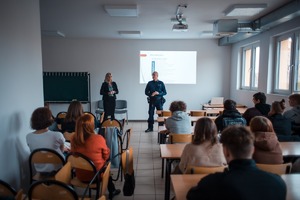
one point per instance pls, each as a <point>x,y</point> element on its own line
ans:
<point>129,183</point>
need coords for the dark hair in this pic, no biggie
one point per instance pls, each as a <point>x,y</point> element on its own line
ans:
<point>260,96</point>
<point>177,106</point>
<point>229,105</point>
<point>277,107</point>
<point>75,110</point>
<point>261,124</point>
<point>295,98</point>
<point>238,140</point>
<point>205,130</point>
<point>41,118</point>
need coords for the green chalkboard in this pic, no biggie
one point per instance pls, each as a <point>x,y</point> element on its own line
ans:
<point>66,86</point>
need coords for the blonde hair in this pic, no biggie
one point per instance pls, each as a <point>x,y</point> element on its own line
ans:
<point>107,75</point>
<point>277,107</point>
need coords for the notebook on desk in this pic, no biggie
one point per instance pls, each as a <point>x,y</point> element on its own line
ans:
<point>217,101</point>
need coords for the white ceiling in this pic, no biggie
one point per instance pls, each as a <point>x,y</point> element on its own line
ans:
<point>87,18</point>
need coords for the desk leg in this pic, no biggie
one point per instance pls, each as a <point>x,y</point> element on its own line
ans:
<point>162,167</point>
<point>168,179</point>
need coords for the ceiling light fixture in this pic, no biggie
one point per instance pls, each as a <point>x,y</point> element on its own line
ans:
<point>179,17</point>
<point>53,33</point>
<point>244,9</point>
<point>130,33</point>
<point>121,10</point>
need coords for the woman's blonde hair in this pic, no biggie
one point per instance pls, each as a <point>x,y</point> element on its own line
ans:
<point>277,107</point>
<point>84,129</point>
<point>107,75</point>
<point>261,124</point>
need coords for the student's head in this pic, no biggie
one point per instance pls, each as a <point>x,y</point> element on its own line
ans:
<point>108,77</point>
<point>84,129</point>
<point>294,100</point>
<point>177,106</point>
<point>229,105</point>
<point>41,118</point>
<point>261,124</point>
<point>277,107</point>
<point>205,130</point>
<point>238,143</point>
<point>259,97</point>
<point>75,110</point>
<point>155,75</point>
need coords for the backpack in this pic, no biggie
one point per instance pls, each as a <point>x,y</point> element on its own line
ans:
<point>228,121</point>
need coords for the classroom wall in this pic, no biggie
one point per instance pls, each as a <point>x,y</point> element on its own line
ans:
<point>121,57</point>
<point>266,64</point>
<point>20,85</point>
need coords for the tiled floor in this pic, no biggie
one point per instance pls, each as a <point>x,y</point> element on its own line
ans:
<point>147,164</point>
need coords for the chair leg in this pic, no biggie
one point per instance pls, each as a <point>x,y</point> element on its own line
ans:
<point>127,118</point>
<point>162,167</point>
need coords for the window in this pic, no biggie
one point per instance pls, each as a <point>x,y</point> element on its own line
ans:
<point>287,75</point>
<point>250,67</point>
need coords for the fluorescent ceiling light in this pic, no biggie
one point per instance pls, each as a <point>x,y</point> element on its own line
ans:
<point>244,9</point>
<point>121,10</point>
<point>53,33</point>
<point>130,33</point>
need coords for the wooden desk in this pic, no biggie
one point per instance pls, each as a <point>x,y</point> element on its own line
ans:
<point>182,184</point>
<point>193,119</point>
<point>205,106</point>
<point>290,149</point>
<point>171,152</point>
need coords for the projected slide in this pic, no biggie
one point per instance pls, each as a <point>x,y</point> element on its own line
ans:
<point>173,67</point>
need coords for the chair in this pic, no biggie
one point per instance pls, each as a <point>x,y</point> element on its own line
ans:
<point>126,138</point>
<point>68,136</point>
<point>60,118</point>
<point>121,108</point>
<point>112,123</point>
<point>279,169</point>
<point>7,191</point>
<point>51,189</point>
<point>80,161</point>
<point>166,113</point>
<point>197,113</point>
<point>100,109</point>
<point>180,138</point>
<point>203,170</point>
<point>44,156</point>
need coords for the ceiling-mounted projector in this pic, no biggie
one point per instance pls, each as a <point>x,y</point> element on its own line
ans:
<point>180,27</point>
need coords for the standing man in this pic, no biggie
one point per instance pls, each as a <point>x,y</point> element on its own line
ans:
<point>155,90</point>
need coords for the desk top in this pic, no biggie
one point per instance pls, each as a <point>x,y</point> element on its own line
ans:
<point>206,105</point>
<point>182,184</point>
<point>174,151</point>
<point>193,119</point>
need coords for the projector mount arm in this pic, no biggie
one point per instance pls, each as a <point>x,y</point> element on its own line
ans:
<point>179,13</point>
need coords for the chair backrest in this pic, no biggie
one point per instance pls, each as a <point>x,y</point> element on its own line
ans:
<point>7,190</point>
<point>228,121</point>
<point>112,123</point>
<point>44,156</point>
<point>166,113</point>
<point>203,170</point>
<point>127,157</point>
<point>180,138</point>
<point>197,113</point>
<point>51,189</point>
<point>80,161</point>
<point>279,169</point>
<point>100,104</point>
<point>68,136</point>
<point>64,174</point>
<point>121,104</point>
<point>60,118</point>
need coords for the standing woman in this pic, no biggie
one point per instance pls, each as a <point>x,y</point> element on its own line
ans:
<point>109,89</point>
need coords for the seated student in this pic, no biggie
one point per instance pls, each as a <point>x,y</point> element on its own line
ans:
<point>75,110</point>
<point>260,107</point>
<point>294,113</point>
<point>205,150</point>
<point>267,146</point>
<point>281,124</point>
<point>179,122</point>
<point>242,180</point>
<point>86,142</point>
<point>41,119</point>
<point>230,116</point>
